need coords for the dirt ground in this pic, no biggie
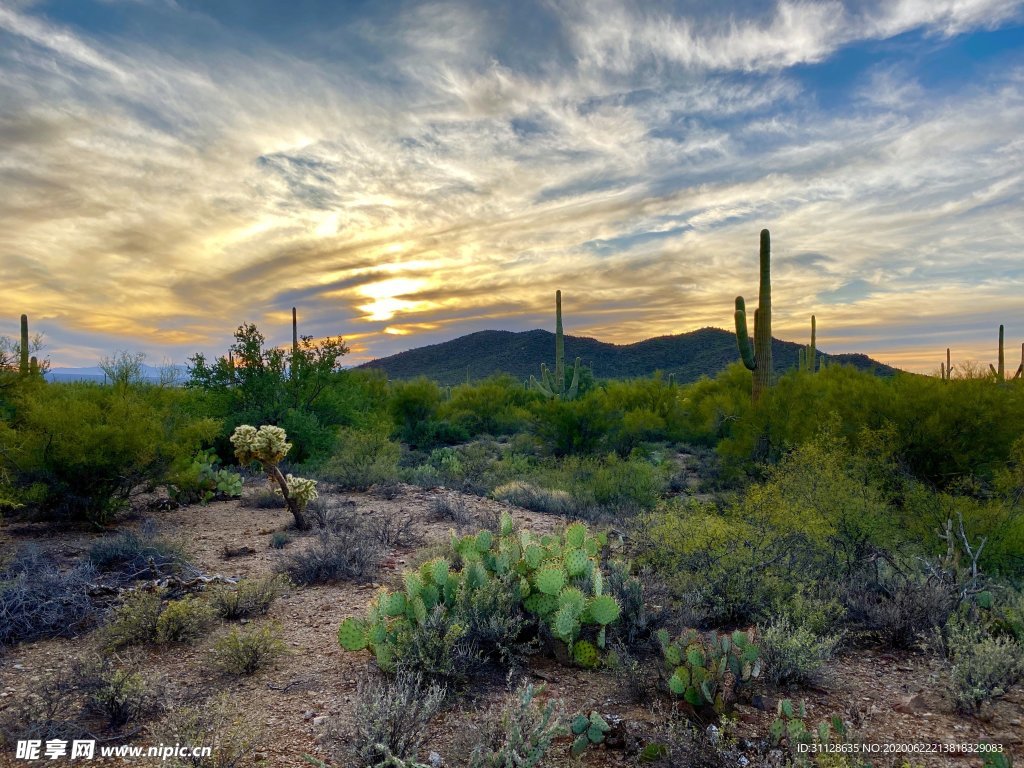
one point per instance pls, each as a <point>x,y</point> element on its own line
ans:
<point>890,698</point>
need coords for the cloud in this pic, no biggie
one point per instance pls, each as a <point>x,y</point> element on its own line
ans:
<point>413,173</point>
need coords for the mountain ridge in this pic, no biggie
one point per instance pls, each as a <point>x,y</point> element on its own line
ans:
<point>703,352</point>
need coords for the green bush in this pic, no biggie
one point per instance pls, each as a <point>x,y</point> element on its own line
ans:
<point>184,621</point>
<point>144,553</point>
<point>494,406</point>
<point>982,667</point>
<point>242,652</point>
<point>79,450</point>
<point>361,458</point>
<point>793,653</point>
<point>134,621</point>
<point>532,497</point>
<point>391,717</point>
<point>521,733</point>
<point>251,597</point>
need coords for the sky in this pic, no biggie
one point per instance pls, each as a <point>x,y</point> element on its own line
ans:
<point>407,172</point>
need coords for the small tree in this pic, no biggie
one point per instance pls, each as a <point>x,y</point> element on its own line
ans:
<point>268,445</point>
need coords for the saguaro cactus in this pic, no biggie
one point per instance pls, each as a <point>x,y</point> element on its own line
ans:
<point>554,386</point>
<point>24,367</point>
<point>295,344</point>
<point>946,369</point>
<point>1000,373</point>
<point>759,358</point>
<point>808,356</point>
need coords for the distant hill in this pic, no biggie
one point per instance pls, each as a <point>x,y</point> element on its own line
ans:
<point>688,355</point>
<point>150,373</point>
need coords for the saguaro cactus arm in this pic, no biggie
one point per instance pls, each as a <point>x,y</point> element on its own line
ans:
<point>742,339</point>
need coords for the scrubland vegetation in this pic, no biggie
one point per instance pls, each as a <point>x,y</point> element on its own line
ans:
<point>705,553</point>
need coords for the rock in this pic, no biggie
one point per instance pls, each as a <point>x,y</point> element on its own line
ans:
<point>308,714</point>
<point>435,760</point>
<point>320,720</point>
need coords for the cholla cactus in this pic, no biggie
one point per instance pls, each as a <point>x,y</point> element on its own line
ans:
<point>269,445</point>
<point>302,489</point>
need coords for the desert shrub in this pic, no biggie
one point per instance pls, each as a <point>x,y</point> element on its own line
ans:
<point>637,619</point>
<point>521,733</point>
<point>348,552</point>
<point>571,427</point>
<point>134,621</point>
<point>815,608</point>
<point>493,619</point>
<point>395,529</point>
<point>414,406</point>
<point>38,599</point>
<point>184,621</point>
<point>613,484</point>
<point>793,653</point>
<point>145,553</point>
<point>391,716</point>
<point>896,610</point>
<point>361,458</point>
<point>263,497</point>
<point>494,406</point>
<point>251,597</point>
<point>232,731</point>
<point>115,690</point>
<point>982,667</point>
<point>279,540</point>
<point>437,647</point>
<point>242,652</point>
<point>450,507</point>
<point>79,450</point>
<point>534,498</point>
<point>49,709</point>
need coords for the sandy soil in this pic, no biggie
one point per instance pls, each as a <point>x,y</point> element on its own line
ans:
<point>890,698</point>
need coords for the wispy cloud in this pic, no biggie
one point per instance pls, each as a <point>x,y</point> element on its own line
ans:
<point>430,168</point>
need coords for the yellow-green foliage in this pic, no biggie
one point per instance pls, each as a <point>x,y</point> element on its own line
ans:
<point>79,449</point>
<point>242,652</point>
<point>134,622</point>
<point>494,406</point>
<point>184,621</point>
<point>816,515</point>
<point>361,458</point>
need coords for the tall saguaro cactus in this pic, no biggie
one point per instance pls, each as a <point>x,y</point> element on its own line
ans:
<point>554,386</point>
<point>24,367</point>
<point>808,355</point>
<point>295,343</point>
<point>1000,373</point>
<point>759,358</point>
<point>946,371</point>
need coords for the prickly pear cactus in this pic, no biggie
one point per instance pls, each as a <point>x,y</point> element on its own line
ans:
<point>559,583</point>
<point>587,730</point>
<point>709,669</point>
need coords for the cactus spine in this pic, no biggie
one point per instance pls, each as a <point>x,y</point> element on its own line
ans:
<point>808,356</point>
<point>24,367</point>
<point>554,386</point>
<point>759,358</point>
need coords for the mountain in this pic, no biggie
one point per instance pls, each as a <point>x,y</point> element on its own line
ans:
<point>688,355</point>
<point>150,373</point>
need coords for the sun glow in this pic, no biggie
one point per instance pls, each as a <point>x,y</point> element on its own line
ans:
<point>388,298</point>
